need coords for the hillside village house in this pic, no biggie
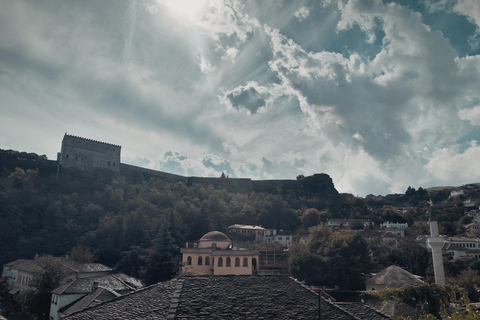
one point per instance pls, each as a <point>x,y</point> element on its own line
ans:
<point>20,273</point>
<point>257,233</point>
<point>82,293</point>
<point>396,228</point>
<point>92,281</point>
<point>213,255</point>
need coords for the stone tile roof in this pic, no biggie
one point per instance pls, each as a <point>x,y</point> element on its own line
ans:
<point>222,297</point>
<point>152,302</point>
<point>394,277</point>
<point>69,266</point>
<point>362,310</point>
<point>25,265</point>
<point>92,299</point>
<point>84,285</point>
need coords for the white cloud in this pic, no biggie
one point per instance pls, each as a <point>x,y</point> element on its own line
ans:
<point>472,115</point>
<point>448,164</point>
<point>302,13</point>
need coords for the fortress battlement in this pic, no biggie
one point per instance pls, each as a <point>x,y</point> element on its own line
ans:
<point>88,154</point>
<point>91,140</point>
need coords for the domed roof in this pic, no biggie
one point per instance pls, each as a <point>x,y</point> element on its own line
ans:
<point>215,236</point>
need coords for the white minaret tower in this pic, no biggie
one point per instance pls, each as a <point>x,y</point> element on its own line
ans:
<point>436,243</point>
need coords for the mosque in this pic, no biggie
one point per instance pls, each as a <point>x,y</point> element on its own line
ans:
<point>214,254</point>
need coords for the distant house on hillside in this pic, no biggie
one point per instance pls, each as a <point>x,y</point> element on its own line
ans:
<point>82,293</point>
<point>255,233</point>
<point>19,274</point>
<point>392,277</point>
<point>337,223</point>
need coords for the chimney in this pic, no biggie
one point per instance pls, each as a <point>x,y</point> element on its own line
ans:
<point>94,286</point>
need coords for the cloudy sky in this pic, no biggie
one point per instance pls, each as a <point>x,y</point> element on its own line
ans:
<point>380,95</point>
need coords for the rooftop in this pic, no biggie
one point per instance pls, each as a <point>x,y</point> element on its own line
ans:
<point>245,226</point>
<point>394,277</point>
<point>215,236</point>
<point>223,297</point>
<point>118,283</point>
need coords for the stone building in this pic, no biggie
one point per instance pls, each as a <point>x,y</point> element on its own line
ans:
<point>213,255</point>
<point>88,154</point>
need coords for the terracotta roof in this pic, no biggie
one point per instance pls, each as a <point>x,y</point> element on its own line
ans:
<point>215,236</point>
<point>222,297</point>
<point>394,277</point>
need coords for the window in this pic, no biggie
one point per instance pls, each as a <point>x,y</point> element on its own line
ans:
<point>288,238</point>
<point>189,261</point>
<point>220,262</point>
<point>279,238</point>
<point>245,262</point>
<point>207,261</point>
<point>200,261</point>
<point>237,262</point>
<point>228,262</point>
<point>108,162</point>
<point>214,245</point>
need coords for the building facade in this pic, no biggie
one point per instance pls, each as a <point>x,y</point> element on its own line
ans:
<point>213,255</point>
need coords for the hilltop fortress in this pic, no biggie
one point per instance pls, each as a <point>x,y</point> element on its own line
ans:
<point>89,155</point>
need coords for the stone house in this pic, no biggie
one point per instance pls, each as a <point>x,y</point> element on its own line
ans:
<point>69,297</point>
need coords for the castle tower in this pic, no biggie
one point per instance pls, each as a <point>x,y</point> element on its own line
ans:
<point>88,154</point>
<point>436,243</point>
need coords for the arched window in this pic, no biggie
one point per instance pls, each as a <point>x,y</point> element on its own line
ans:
<point>228,262</point>
<point>220,261</point>
<point>200,261</point>
<point>214,245</point>
<point>237,262</point>
<point>189,261</point>
<point>207,261</point>
<point>245,262</point>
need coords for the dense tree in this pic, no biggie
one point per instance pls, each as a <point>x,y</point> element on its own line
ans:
<point>342,259</point>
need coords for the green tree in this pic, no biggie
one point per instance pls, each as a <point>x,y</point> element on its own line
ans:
<point>340,258</point>
<point>50,277</point>
<point>82,254</point>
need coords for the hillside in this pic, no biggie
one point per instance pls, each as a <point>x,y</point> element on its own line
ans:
<point>136,220</point>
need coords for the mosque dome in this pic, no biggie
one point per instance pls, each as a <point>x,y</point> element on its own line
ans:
<point>215,236</point>
<point>215,239</point>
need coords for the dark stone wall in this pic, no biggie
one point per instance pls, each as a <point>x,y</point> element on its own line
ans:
<point>236,185</point>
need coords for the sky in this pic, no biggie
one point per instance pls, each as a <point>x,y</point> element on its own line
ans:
<point>380,95</point>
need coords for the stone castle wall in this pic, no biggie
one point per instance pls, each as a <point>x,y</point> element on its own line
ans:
<point>86,154</point>
<point>89,154</point>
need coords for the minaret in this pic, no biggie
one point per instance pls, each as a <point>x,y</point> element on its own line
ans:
<point>436,243</point>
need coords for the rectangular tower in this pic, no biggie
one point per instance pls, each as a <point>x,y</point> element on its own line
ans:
<point>86,154</point>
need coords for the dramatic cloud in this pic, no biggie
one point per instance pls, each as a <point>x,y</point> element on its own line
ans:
<point>380,95</point>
